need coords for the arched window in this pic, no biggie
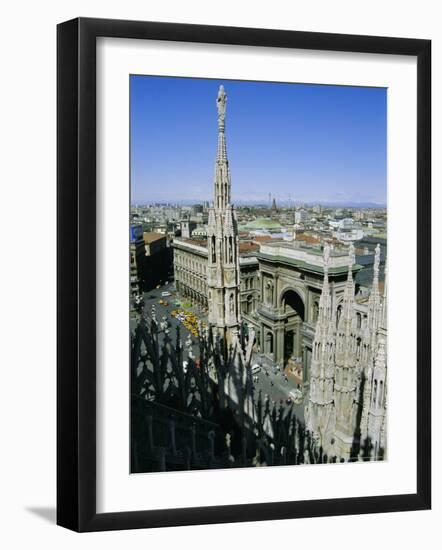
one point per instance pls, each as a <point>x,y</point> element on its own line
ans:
<point>358,320</point>
<point>338,313</point>
<point>381,393</point>
<point>358,349</point>
<point>315,311</point>
<point>269,342</point>
<point>213,247</point>
<point>231,304</point>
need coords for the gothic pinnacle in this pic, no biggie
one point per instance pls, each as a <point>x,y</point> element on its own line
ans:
<point>377,258</point>
<point>351,261</point>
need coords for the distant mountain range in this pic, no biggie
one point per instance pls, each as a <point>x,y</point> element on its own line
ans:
<point>286,204</point>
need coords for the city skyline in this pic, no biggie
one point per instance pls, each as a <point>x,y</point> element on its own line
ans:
<point>330,144</point>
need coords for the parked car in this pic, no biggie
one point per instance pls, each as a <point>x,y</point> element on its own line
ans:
<point>256,368</point>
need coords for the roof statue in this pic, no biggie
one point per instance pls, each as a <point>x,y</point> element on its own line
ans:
<point>221,101</point>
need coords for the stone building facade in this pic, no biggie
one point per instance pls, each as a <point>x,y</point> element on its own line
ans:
<point>279,292</point>
<point>190,270</point>
<point>291,278</point>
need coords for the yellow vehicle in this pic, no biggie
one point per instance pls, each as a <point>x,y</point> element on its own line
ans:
<point>161,302</point>
<point>173,313</point>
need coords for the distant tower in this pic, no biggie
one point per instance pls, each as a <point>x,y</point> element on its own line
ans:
<point>222,234</point>
<point>274,208</point>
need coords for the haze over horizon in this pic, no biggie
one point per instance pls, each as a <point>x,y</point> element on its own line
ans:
<point>279,203</point>
<point>303,143</point>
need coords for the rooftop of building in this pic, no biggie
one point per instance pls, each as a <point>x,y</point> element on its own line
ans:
<point>152,236</point>
<point>297,253</point>
<point>309,239</point>
<point>195,241</point>
<point>307,256</point>
<point>246,247</point>
<point>262,238</point>
<point>262,223</point>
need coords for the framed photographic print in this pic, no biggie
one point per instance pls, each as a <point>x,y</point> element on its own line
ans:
<point>243,274</point>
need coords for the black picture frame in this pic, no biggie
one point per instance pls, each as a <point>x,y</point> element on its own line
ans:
<point>76,274</point>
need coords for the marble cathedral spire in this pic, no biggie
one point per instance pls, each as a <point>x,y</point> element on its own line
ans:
<point>347,372</point>
<point>373,419</point>
<point>374,302</point>
<point>320,408</point>
<point>346,409</point>
<point>346,322</point>
<point>222,172</point>
<point>223,278</point>
<point>384,314</point>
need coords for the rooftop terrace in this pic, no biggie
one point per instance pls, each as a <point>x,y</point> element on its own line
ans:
<point>295,252</point>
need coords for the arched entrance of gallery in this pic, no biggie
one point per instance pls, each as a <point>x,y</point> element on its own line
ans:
<point>292,305</point>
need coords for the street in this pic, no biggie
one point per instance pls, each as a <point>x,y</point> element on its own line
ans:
<point>276,387</point>
<point>153,297</point>
<point>269,380</point>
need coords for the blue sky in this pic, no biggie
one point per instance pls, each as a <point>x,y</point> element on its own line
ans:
<point>309,143</point>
